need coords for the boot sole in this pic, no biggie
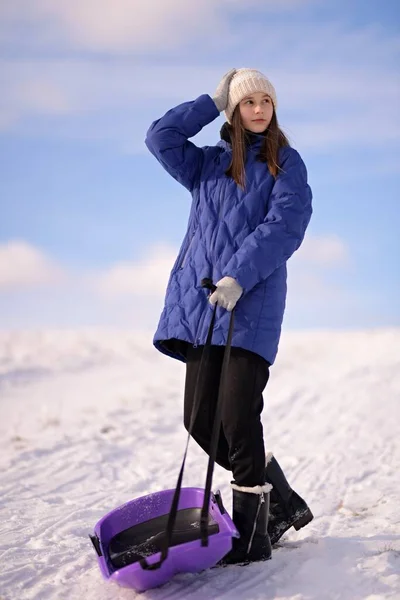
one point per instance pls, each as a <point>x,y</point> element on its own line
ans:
<point>304,520</point>
<point>298,524</point>
<point>221,564</point>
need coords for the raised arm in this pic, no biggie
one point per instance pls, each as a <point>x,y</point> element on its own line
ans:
<point>167,138</point>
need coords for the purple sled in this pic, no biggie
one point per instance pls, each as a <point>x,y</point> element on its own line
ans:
<point>135,530</point>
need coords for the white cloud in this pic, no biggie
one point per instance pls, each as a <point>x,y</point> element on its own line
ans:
<point>311,265</point>
<point>146,278</point>
<point>42,96</point>
<point>346,130</point>
<point>324,251</point>
<point>130,294</point>
<point>22,265</point>
<point>318,109</point>
<point>123,25</point>
<point>335,85</point>
<point>313,288</point>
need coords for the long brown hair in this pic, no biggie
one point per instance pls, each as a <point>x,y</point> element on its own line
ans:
<point>269,153</point>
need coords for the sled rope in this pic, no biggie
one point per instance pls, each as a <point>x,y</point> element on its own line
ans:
<point>208,284</point>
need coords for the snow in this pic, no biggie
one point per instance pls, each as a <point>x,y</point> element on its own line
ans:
<point>90,419</point>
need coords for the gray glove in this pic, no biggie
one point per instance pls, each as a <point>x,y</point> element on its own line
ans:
<point>221,93</point>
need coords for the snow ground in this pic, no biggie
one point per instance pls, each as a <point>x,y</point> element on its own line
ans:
<point>89,420</point>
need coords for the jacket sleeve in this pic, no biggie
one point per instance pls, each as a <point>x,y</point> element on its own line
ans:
<point>167,139</point>
<point>271,244</point>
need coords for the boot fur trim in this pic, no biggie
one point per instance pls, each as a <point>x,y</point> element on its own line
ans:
<point>257,489</point>
<point>268,457</point>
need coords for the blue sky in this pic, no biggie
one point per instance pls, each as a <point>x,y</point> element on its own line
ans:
<point>90,224</point>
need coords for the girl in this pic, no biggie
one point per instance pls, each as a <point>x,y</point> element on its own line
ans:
<point>251,205</point>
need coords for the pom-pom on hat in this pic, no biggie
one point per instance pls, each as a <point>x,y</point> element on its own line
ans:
<point>244,83</point>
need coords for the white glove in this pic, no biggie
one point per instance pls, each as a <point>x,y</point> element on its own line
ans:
<point>222,92</point>
<point>227,293</point>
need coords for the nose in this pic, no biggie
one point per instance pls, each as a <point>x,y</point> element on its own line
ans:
<point>257,109</point>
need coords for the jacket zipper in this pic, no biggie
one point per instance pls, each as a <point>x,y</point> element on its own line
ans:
<point>220,204</point>
<point>262,500</point>
<point>212,245</point>
<point>197,338</point>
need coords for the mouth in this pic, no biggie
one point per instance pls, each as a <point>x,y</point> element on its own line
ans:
<point>258,120</point>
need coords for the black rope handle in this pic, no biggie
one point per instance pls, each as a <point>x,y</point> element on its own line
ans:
<point>215,432</point>
<point>208,284</point>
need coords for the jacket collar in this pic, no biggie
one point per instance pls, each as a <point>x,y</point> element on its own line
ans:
<point>252,140</point>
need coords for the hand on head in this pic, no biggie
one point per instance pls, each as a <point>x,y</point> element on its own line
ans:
<point>222,92</point>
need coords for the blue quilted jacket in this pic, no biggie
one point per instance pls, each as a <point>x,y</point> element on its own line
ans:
<point>246,234</point>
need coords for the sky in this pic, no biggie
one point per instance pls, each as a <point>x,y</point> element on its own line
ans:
<point>90,224</point>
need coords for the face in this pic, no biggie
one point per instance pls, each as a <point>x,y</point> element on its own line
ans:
<point>256,111</point>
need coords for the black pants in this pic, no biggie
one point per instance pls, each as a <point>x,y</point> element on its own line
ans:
<point>241,443</point>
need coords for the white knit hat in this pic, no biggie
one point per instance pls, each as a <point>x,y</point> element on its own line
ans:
<point>244,83</point>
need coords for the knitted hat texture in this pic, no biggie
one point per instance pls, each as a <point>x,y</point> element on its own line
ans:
<point>244,83</point>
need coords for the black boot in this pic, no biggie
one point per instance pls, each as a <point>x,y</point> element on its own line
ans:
<point>250,515</point>
<point>287,509</point>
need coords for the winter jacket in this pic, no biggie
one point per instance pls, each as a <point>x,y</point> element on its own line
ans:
<point>248,234</point>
